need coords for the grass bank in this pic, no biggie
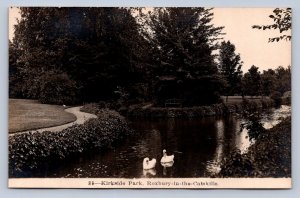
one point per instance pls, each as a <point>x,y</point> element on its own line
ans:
<point>31,151</point>
<point>31,114</point>
<point>270,156</point>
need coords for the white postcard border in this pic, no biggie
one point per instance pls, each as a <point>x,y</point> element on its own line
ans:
<point>148,183</point>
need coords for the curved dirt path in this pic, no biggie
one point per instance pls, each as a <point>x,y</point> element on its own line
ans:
<point>81,117</point>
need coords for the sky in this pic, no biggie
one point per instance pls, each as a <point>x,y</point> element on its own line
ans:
<point>251,44</point>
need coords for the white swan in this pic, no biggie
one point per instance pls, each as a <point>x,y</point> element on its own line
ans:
<point>149,164</point>
<point>166,158</point>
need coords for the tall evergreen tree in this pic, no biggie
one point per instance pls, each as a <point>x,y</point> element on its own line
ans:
<point>230,65</point>
<point>182,39</point>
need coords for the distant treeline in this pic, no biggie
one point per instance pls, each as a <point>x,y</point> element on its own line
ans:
<point>130,55</point>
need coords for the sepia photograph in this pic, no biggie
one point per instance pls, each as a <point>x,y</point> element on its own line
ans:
<point>149,97</point>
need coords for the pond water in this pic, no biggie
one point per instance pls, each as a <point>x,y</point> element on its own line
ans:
<point>198,145</point>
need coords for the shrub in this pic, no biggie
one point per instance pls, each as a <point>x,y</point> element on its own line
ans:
<point>92,108</point>
<point>276,96</point>
<point>237,164</point>
<point>270,156</point>
<point>253,124</point>
<point>267,103</point>
<point>57,89</point>
<point>198,111</point>
<point>30,150</point>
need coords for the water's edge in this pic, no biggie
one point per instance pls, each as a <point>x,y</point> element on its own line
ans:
<point>199,145</point>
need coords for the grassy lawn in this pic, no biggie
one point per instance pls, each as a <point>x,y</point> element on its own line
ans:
<point>30,114</point>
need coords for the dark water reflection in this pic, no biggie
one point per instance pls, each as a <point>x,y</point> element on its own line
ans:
<point>198,146</point>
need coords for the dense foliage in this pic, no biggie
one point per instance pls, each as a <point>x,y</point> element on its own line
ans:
<point>29,151</point>
<point>106,54</point>
<point>130,55</point>
<point>230,65</point>
<point>252,82</point>
<point>184,66</point>
<point>97,48</point>
<point>270,156</point>
<point>201,111</point>
<point>270,82</point>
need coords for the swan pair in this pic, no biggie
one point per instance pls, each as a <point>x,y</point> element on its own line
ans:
<point>165,161</point>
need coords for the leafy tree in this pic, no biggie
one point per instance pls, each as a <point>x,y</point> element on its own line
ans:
<point>39,36</point>
<point>269,82</point>
<point>99,48</point>
<point>230,67</point>
<point>252,82</point>
<point>15,80</point>
<point>182,45</point>
<point>278,80</point>
<point>283,78</point>
<point>282,18</point>
<point>108,54</point>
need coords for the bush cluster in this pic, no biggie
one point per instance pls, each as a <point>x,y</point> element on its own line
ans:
<point>185,112</point>
<point>199,111</point>
<point>30,150</point>
<point>257,104</point>
<point>57,89</point>
<point>270,156</point>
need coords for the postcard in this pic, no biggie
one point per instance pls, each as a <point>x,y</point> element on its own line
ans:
<point>149,97</point>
